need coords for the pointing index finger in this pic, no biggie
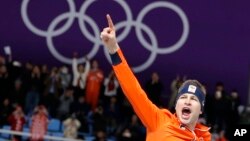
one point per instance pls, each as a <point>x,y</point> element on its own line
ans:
<point>110,22</point>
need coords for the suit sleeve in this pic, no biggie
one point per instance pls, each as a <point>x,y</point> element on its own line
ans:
<point>150,115</point>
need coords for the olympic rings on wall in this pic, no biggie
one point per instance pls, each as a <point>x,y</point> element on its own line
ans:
<point>127,24</point>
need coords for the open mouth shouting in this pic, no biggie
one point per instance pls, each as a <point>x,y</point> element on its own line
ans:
<point>185,113</point>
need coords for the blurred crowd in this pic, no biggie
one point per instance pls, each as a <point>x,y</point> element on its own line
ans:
<point>85,100</point>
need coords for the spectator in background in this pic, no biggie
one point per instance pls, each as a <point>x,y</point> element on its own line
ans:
<point>34,91</point>
<point>71,126</point>
<point>131,130</point>
<point>5,111</point>
<point>219,86</point>
<point>65,78</point>
<point>94,83</point>
<point>8,73</point>
<point>44,75</point>
<point>235,103</point>
<point>39,124</point>
<point>51,92</point>
<point>99,120</point>
<point>154,88</point>
<point>221,108</point>
<point>244,117</point>
<point>26,76</point>
<point>5,82</point>
<point>65,101</point>
<point>233,116</point>
<point>17,94</point>
<point>81,109</point>
<point>110,87</point>
<point>112,113</point>
<point>80,74</point>
<point>208,114</point>
<point>13,67</point>
<point>17,121</point>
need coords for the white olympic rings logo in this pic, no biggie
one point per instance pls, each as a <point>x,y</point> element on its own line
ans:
<point>152,46</point>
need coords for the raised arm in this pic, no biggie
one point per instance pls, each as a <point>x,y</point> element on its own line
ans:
<point>87,67</point>
<point>74,66</point>
<point>150,115</point>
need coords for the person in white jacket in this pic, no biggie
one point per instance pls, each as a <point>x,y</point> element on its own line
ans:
<point>80,74</point>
